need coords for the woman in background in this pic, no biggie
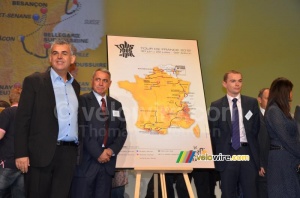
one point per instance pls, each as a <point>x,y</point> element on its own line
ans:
<point>284,156</point>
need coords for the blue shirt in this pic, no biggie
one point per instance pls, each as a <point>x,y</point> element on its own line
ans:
<point>66,107</point>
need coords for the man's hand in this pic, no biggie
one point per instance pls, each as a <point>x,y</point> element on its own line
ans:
<point>22,164</point>
<point>105,156</point>
<point>2,133</point>
<point>262,172</point>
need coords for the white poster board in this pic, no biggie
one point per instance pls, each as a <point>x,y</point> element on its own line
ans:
<point>159,83</point>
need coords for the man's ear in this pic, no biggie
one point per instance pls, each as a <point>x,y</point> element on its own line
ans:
<point>73,59</point>
<point>224,84</point>
<point>259,100</point>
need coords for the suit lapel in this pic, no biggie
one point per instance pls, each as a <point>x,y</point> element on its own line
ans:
<point>93,100</point>
<point>244,111</point>
<point>77,91</point>
<point>227,111</point>
<point>49,88</point>
<point>244,105</point>
<point>109,104</point>
<point>110,107</point>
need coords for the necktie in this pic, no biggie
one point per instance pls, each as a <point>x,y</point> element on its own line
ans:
<point>235,126</point>
<point>104,113</point>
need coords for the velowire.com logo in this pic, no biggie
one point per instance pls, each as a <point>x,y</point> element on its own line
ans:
<point>202,155</point>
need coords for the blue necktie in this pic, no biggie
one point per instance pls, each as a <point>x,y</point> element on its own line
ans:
<point>235,126</point>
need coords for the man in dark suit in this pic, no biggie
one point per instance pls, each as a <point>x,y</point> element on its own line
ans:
<point>234,125</point>
<point>264,144</point>
<point>104,134</point>
<point>46,136</point>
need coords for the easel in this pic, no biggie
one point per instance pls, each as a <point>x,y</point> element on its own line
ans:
<point>162,172</point>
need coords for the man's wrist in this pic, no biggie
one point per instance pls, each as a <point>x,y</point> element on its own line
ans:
<point>112,152</point>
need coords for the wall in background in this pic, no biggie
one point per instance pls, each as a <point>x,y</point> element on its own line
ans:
<point>258,38</point>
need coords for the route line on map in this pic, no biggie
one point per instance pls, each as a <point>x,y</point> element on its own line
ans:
<point>44,19</point>
<point>42,22</point>
<point>31,53</point>
<point>68,13</point>
<point>66,7</point>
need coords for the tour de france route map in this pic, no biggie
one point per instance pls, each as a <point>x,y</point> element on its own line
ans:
<point>159,83</point>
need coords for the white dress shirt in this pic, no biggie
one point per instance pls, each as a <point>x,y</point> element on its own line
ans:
<point>243,137</point>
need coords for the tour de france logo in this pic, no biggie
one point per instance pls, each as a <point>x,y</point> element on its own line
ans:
<point>125,50</point>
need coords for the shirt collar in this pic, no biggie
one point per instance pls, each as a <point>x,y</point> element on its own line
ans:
<point>99,97</point>
<point>262,110</point>
<point>54,76</point>
<point>237,97</point>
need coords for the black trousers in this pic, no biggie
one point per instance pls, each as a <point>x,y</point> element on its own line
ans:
<point>242,173</point>
<point>54,180</point>
<point>262,187</point>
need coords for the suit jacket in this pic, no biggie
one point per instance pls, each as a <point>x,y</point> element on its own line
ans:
<point>94,131</point>
<point>264,143</point>
<point>36,122</point>
<point>282,179</point>
<point>297,116</point>
<point>221,128</point>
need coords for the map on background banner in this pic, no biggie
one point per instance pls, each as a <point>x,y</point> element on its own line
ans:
<point>28,28</point>
<point>159,83</point>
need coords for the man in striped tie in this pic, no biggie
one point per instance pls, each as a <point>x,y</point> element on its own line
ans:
<point>234,125</point>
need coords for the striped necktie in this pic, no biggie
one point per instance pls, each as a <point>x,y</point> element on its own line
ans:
<point>235,126</point>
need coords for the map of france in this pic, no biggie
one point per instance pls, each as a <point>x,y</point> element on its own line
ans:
<point>160,101</point>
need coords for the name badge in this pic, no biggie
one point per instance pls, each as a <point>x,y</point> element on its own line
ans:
<point>248,115</point>
<point>116,113</point>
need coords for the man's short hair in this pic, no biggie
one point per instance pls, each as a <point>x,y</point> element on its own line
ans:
<point>63,41</point>
<point>230,72</point>
<point>261,92</point>
<point>102,69</point>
